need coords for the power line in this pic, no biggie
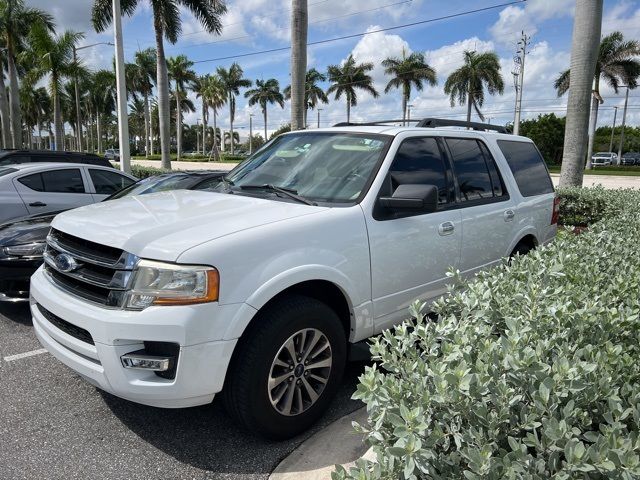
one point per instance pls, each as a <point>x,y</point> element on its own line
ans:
<point>379,30</point>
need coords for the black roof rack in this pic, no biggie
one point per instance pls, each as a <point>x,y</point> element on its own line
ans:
<point>433,123</point>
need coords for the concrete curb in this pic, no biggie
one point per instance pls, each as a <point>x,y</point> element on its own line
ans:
<point>316,457</point>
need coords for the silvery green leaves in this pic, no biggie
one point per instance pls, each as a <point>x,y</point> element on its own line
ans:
<point>530,372</point>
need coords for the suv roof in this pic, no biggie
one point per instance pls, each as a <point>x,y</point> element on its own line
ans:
<point>45,165</point>
<point>37,156</point>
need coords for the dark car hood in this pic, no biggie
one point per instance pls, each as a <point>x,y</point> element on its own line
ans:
<point>26,230</point>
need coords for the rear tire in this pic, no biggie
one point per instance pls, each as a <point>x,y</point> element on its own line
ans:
<point>270,392</point>
<point>521,249</point>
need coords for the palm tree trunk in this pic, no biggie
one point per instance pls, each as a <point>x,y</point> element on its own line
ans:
<point>469,101</point>
<point>348,107</point>
<point>4,112</point>
<point>147,122</point>
<point>99,132</point>
<point>38,126</point>
<point>265,121</point>
<point>231,115</point>
<point>14,97</point>
<point>215,134</point>
<point>163,97</point>
<point>593,121</point>
<point>585,45</point>
<point>178,125</point>
<point>205,113</point>
<point>405,95</point>
<point>299,26</point>
<point>57,122</point>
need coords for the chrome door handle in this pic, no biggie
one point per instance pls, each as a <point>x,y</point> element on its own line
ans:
<point>446,228</point>
<point>508,215</point>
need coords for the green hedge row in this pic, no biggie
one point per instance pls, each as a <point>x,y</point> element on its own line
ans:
<point>225,158</point>
<point>531,371</point>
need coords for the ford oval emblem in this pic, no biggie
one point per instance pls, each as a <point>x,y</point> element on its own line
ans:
<point>65,263</point>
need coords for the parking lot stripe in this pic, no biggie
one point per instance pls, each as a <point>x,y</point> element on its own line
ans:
<point>18,356</point>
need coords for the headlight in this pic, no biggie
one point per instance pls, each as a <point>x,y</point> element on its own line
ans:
<point>157,283</point>
<point>32,250</point>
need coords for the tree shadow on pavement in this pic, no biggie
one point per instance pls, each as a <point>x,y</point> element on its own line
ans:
<point>206,437</point>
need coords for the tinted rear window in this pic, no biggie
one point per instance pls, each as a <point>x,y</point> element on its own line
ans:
<point>527,166</point>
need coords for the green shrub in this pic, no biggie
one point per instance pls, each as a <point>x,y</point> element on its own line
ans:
<point>531,370</point>
<point>140,172</point>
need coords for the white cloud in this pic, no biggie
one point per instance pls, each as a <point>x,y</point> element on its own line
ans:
<point>623,17</point>
<point>515,19</point>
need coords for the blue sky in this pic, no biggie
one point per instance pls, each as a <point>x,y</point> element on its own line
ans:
<point>254,25</point>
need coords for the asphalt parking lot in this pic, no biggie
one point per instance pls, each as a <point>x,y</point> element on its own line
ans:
<point>54,425</point>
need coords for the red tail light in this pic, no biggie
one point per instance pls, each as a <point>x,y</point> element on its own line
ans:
<point>556,211</point>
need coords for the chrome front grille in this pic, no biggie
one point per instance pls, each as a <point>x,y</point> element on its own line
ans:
<point>98,273</point>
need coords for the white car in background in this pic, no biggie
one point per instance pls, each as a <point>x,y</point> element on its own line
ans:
<point>33,188</point>
<point>112,154</point>
<point>602,159</point>
<point>258,289</point>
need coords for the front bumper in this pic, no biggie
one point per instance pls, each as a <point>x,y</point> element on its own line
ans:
<point>202,361</point>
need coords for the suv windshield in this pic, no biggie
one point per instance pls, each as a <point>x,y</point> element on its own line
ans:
<point>325,166</point>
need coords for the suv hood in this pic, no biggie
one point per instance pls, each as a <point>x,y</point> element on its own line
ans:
<point>163,225</point>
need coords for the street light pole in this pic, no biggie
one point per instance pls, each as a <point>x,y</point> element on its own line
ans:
<point>121,88</point>
<point>615,114</point>
<point>624,119</point>
<point>319,110</point>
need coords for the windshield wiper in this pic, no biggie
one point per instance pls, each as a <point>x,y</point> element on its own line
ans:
<point>289,192</point>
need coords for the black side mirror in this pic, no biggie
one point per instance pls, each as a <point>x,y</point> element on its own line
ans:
<point>422,198</point>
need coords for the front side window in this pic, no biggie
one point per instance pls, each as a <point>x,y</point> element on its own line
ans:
<point>418,161</point>
<point>321,167</point>
<point>106,182</point>
<point>63,181</point>
<point>470,168</point>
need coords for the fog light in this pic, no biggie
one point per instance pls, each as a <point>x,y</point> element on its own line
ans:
<point>142,360</point>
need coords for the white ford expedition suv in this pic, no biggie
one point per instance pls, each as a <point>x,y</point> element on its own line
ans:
<point>257,288</point>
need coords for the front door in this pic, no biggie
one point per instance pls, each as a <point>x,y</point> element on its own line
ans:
<point>412,252</point>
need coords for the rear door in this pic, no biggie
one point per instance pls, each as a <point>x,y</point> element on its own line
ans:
<point>52,190</point>
<point>488,212</point>
<point>411,253</point>
<point>106,182</point>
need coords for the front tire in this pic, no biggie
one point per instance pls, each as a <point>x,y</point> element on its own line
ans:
<point>288,368</point>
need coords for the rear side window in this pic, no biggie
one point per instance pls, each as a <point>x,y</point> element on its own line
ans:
<point>471,169</point>
<point>107,183</point>
<point>62,181</point>
<point>418,161</point>
<point>527,166</point>
<point>34,182</point>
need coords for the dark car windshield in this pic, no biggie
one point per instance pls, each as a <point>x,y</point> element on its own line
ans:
<point>324,166</point>
<point>155,184</point>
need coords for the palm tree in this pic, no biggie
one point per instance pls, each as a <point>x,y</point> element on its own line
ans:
<point>4,106</point>
<point>313,93</point>
<point>180,71</point>
<point>166,24</point>
<point>142,79</point>
<point>102,95</point>
<point>348,77</point>
<point>54,57</point>
<point>137,119</point>
<point>408,71</point>
<point>266,92</point>
<point>216,96</point>
<point>233,82</point>
<point>16,21</point>
<point>299,27</point>
<point>35,104</point>
<point>616,65</point>
<point>227,139</point>
<point>467,83</point>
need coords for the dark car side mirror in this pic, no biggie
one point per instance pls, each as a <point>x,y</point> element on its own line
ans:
<point>414,197</point>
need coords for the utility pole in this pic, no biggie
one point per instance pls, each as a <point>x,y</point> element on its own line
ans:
<point>121,88</point>
<point>624,119</point>
<point>521,55</point>
<point>615,114</point>
<point>319,110</point>
<point>250,133</point>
